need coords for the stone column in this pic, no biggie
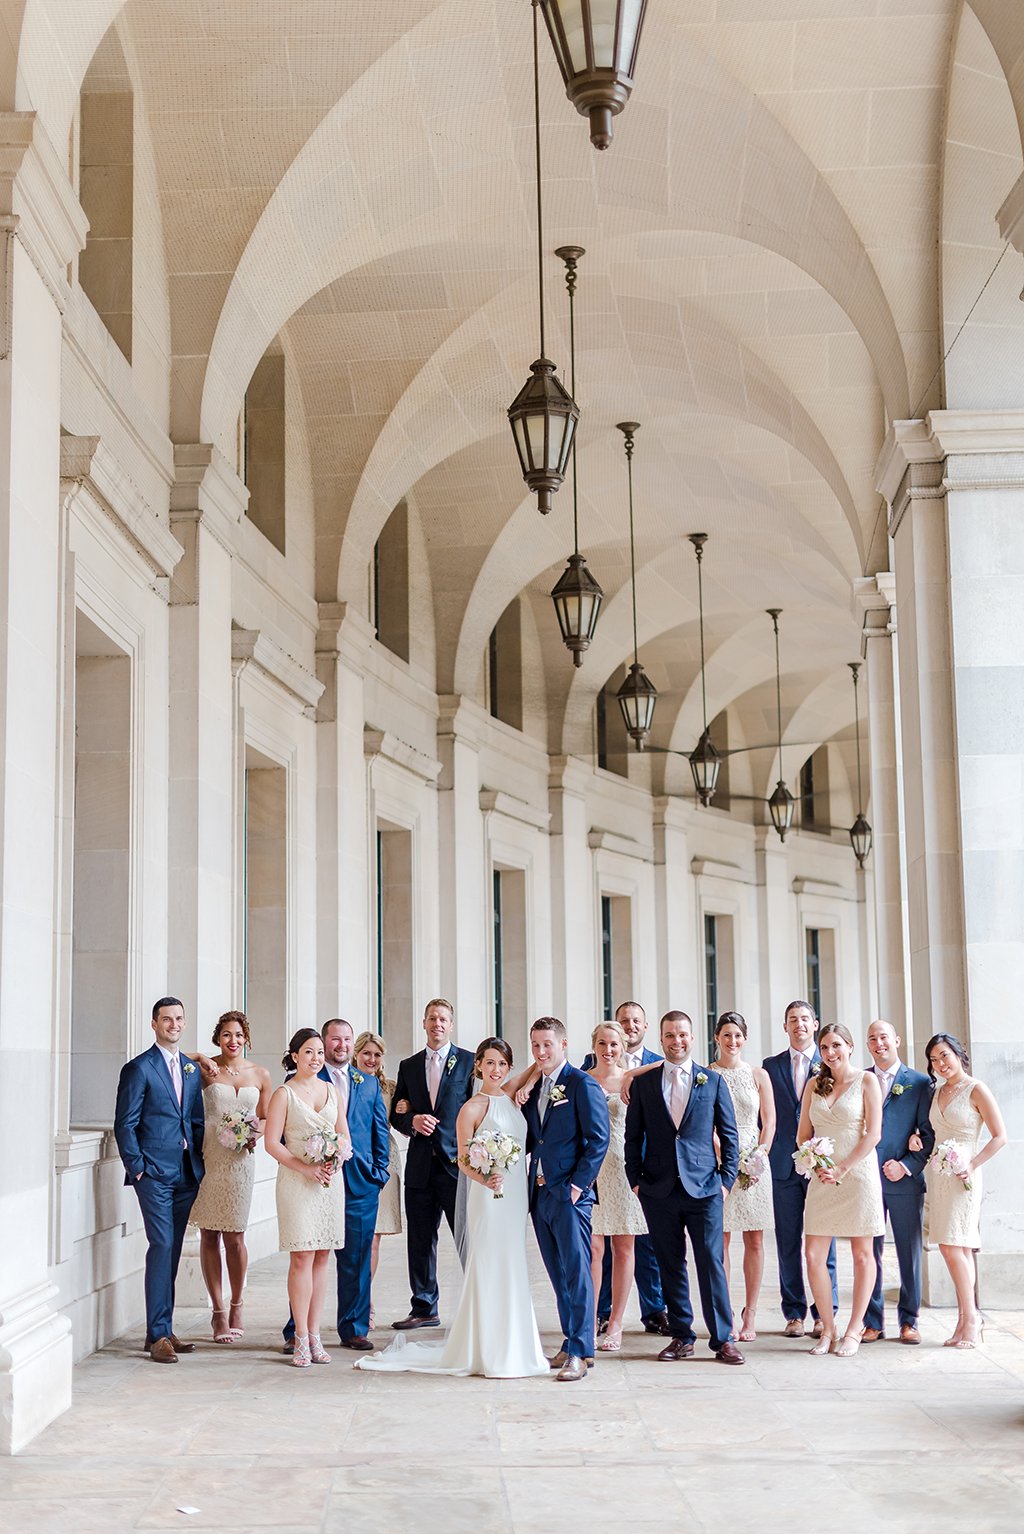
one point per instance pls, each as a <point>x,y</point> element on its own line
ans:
<point>574,964</point>
<point>344,887</point>
<point>782,963</point>
<point>954,483</point>
<point>675,911</point>
<point>875,606</point>
<point>205,960</point>
<point>463,895</point>
<point>41,230</point>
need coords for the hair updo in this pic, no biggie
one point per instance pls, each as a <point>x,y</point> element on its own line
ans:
<point>825,1084</point>
<point>610,1027</point>
<point>295,1043</point>
<point>504,1050</point>
<point>731,1018</point>
<point>233,1017</point>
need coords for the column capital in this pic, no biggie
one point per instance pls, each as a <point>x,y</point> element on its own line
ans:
<point>206,488</point>
<point>874,606</point>
<point>949,450</point>
<point>38,206</point>
<point>569,774</point>
<point>343,634</point>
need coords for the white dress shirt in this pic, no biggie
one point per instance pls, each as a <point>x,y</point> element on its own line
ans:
<point>634,1058</point>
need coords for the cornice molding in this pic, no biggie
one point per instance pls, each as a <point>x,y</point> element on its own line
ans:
<point>251,647</point>
<point>206,489</point>
<point>38,206</point>
<point>600,840</point>
<point>88,466</point>
<point>382,743</point>
<point>495,801</point>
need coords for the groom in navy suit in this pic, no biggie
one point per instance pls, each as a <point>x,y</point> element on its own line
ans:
<point>632,1019</point>
<point>158,1125</point>
<point>789,1073</point>
<point>674,1113</point>
<point>567,1137</point>
<point>906,1098</point>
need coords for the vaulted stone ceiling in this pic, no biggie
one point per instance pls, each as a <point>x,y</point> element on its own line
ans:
<point>766,283</point>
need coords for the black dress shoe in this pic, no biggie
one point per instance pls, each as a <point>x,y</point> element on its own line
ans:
<point>289,1347</point>
<point>676,1350</point>
<point>357,1344</point>
<point>602,1325</point>
<point>657,1324</point>
<point>413,1323</point>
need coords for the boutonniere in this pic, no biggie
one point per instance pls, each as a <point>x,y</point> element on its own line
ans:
<point>451,1062</point>
<point>815,1070</point>
<point>355,1078</point>
<point>556,1096</point>
<point>896,1090</point>
<point>189,1068</point>
<point>700,1078</point>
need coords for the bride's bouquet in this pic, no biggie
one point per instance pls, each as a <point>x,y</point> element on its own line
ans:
<point>814,1155</point>
<point>239,1130</point>
<point>753,1165</point>
<point>489,1152</point>
<point>321,1147</point>
<point>949,1159</point>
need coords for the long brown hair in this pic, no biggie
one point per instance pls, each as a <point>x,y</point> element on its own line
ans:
<point>825,1084</point>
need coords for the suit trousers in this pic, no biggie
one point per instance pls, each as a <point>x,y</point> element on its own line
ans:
<point>165,1210</point>
<point>563,1234</point>
<point>670,1220</point>
<point>906,1214</point>
<point>788,1199</point>
<point>424,1209</point>
<point>354,1266</point>
<point>646,1276</point>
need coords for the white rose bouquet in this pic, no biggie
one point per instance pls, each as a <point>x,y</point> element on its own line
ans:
<point>753,1165</point>
<point>815,1155</point>
<point>489,1152</point>
<point>949,1159</point>
<point>321,1147</point>
<point>239,1130</point>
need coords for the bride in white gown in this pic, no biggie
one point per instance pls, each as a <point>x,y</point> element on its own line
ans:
<point>495,1330</point>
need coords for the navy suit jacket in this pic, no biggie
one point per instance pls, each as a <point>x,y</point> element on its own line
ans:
<point>367,1170</point>
<point>455,1087</point>
<point>647,1057</point>
<point>658,1155</point>
<point>787,1114</point>
<point>903,1113</point>
<point>573,1140</point>
<point>151,1127</point>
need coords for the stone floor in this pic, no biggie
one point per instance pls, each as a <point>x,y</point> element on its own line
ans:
<point>912,1440</point>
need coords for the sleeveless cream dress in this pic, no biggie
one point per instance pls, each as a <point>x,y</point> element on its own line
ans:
<point>746,1208</point>
<point>954,1211</point>
<point>852,1207</point>
<point>310,1218</point>
<point>225,1192</point>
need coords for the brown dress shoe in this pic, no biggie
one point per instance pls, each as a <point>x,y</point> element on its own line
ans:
<point>872,1334</point>
<point>162,1351</point>
<point>676,1350</point>
<point>357,1344</point>
<point>572,1369</point>
<point>182,1347</point>
<point>414,1323</point>
<point>729,1353</point>
<point>910,1335</point>
<point>559,1360</point>
<point>793,1328</point>
<point>818,1329</point>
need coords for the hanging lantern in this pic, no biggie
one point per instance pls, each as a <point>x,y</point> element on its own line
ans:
<point>781,804</point>
<point>860,831</point>
<point>705,764</point>
<point>577,598</point>
<point>596,43</point>
<point>637,697</point>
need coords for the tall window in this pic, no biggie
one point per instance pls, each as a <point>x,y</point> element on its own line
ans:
<point>106,153</point>
<point>813,942</point>
<point>505,667</point>
<point>711,996</point>
<point>266,901</point>
<point>606,957</point>
<point>820,951</point>
<point>264,447</point>
<point>814,792</point>
<point>807,793</point>
<point>389,583</point>
<point>498,982</point>
<point>396,1004</point>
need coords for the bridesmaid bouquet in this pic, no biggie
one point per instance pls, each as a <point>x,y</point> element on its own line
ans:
<point>239,1130</point>
<point>321,1146</point>
<point>949,1159</point>
<point>489,1152</point>
<point>814,1155</point>
<point>753,1165</point>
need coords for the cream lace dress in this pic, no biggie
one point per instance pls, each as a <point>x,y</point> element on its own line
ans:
<point>389,1207</point>
<point>310,1218</point>
<point>746,1208</point>
<point>953,1210</point>
<point>225,1192</point>
<point>617,1211</point>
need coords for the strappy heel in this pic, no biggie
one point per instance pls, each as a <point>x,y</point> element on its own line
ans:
<point>748,1331</point>
<point>221,1330</point>
<point>235,1319</point>
<point>317,1351</point>
<point>301,1357</point>
<point>849,1347</point>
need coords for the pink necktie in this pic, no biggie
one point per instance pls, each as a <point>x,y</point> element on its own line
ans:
<point>433,1078</point>
<point>341,1082</point>
<point>176,1077</point>
<point>677,1098</point>
<point>798,1075</point>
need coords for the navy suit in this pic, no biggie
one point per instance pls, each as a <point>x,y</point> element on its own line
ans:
<point>163,1139</point>
<point>680,1187</point>
<point>568,1147</point>
<point>432,1165</point>
<point>789,1192</point>
<point>904,1112</point>
<point>646,1274</point>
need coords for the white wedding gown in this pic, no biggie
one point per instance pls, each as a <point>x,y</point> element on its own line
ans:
<point>495,1330</point>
